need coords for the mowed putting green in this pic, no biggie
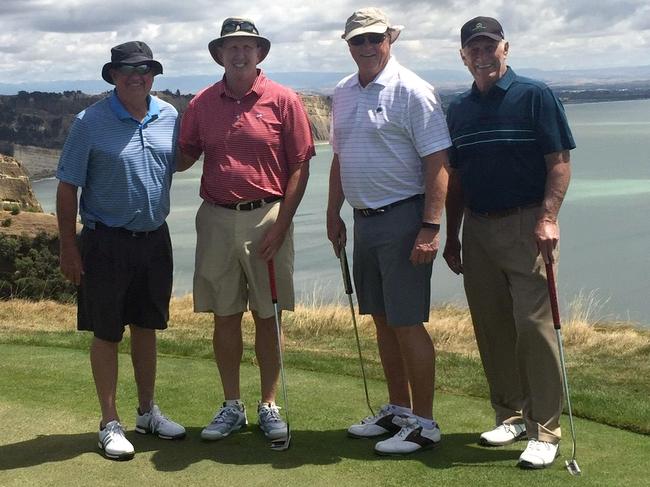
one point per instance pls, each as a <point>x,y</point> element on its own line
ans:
<point>49,417</point>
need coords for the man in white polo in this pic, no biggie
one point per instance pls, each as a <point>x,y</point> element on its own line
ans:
<point>389,139</point>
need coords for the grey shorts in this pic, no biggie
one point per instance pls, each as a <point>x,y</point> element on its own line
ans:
<point>386,282</point>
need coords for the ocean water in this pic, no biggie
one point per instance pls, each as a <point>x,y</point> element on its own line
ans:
<point>605,225</point>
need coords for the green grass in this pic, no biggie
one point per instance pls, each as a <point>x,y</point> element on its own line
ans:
<point>49,417</point>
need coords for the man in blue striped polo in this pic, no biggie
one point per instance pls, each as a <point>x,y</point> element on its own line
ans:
<point>510,171</point>
<point>389,139</point>
<point>120,152</point>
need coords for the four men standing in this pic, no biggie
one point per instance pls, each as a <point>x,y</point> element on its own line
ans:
<point>509,173</point>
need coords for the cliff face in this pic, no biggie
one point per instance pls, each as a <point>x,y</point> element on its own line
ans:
<point>15,188</point>
<point>318,109</point>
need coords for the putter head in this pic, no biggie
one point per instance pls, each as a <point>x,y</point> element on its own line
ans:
<point>283,443</point>
<point>572,467</point>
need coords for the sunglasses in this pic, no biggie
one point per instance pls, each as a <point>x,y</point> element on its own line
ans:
<point>127,69</point>
<point>236,25</point>
<point>372,39</point>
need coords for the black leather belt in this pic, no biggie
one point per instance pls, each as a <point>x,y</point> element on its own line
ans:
<point>384,209</point>
<point>505,212</point>
<point>250,205</point>
<point>126,231</point>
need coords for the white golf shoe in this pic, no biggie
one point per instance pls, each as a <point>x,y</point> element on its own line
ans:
<point>539,454</point>
<point>114,443</point>
<point>411,437</point>
<point>504,434</point>
<point>154,422</point>
<point>377,425</point>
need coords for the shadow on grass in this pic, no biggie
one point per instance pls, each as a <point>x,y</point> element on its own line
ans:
<point>250,448</point>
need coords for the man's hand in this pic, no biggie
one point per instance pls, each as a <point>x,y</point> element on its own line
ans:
<point>547,235</point>
<point>336,232</point>
<point>70,263</point>
<point>425,247</point>
<point>272,241</point>
<point>452,255</point>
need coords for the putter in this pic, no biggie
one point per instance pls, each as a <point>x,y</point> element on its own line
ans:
<point>571,465</point>
<point>282,444</point>
<point>347,282</point>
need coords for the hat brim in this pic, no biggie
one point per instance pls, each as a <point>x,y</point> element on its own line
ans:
<point>214,44</point>
<point>495,37</point>
<point>393,31</point>
<point>106,70</point>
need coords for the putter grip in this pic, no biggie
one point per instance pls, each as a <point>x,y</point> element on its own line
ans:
<point>552,294</point>
<point>346,271</point>
<point>271,268</point>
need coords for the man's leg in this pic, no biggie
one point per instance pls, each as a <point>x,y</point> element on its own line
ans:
<point>143,357</point>
<point>103,361</point>
<point>418,353</point>
<point>392,363</point>
<point>228,349</point>
<point>266,351</point>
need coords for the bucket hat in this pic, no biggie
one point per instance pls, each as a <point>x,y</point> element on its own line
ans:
<point>132,53</point>
<point>238,27</point>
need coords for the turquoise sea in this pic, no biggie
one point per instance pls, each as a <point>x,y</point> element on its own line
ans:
<point>605,224</point>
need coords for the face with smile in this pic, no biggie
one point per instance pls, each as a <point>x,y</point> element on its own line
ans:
<point>132,84</point>
<point>370,58</point>
<point>240,56</point>
<point>485,59</point>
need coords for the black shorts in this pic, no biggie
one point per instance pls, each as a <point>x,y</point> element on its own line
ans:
<point>127,280</point>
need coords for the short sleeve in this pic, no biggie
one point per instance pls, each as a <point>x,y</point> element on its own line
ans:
<point>73,163</point>
<point>297,137</point>
<point>551,125</point>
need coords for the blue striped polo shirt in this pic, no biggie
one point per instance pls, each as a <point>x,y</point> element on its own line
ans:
<point>124,166</point>
<point>500,139</point>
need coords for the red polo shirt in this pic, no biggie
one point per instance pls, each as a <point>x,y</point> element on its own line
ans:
<point>248,144</point>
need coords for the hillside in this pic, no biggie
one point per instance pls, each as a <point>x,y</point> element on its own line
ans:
<point>33,126</point>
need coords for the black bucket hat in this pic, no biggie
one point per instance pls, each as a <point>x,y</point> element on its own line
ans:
<point>132,53</point>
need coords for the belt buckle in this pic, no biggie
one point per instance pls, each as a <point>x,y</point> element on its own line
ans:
<point>240,206</point>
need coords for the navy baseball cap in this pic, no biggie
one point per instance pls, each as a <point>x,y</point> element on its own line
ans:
<point>481,26</point>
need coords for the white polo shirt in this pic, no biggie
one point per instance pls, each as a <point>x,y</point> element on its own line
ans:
<point>380,132</point>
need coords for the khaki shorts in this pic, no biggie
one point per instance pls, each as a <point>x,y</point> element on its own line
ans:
<point>229,275</point>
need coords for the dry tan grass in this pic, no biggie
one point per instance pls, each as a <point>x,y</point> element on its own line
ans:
<point>317,327</point>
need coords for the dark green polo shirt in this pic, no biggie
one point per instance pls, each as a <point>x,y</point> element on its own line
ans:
<point>500,139</point>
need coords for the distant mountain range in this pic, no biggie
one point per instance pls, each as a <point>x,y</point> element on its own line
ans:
<point>323,83</point>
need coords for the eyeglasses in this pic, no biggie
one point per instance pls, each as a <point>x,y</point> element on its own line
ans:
<point>372,39</point>
<point>128,70</point>
<point>234,25</point>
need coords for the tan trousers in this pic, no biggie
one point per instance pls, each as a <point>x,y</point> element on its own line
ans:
<point>505,283</point>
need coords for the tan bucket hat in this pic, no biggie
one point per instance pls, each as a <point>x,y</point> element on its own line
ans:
<point>238,27</point>
<point>370,20</point>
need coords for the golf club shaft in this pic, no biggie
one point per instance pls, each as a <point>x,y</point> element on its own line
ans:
<point>552,293</point>
<point>347,282</point>
<point>278,330</point>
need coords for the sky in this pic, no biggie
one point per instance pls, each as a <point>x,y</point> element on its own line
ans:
<point>50,40</point>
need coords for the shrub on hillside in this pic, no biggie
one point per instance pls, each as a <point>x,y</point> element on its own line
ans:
<point>29,269</point>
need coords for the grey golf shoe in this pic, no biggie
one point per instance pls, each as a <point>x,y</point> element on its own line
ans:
<point>156,423</point>
<point>270,421</point>
<point>228,419</point>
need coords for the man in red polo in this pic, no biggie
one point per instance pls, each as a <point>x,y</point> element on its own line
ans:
<point>256,141</point>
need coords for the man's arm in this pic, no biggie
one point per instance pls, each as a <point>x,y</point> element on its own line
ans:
<point>436,177</point>
<point>454,206</point>
<point>336,231</point>
<point>558,175</point>
<point>183,161</point>
<point>296,184</point>
<point>66,214</point>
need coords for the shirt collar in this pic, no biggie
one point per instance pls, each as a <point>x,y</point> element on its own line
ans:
<point>153,112</point>
<point>503,84</point>
<point>259,85</point>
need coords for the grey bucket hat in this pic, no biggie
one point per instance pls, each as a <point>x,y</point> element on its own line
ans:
<point>238,27</point>
<point>370,20</point>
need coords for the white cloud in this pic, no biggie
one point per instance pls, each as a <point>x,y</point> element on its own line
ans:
<point>71,39</point>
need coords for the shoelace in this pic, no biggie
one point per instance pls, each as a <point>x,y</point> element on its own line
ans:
<point>407,424</point>
<point>157,418</point>
<point>224,414</point>
<point>509,428</point>
<point>113,429</point>
<point>270,414</point>
<point>383,411</point>
<point>537,445</point>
